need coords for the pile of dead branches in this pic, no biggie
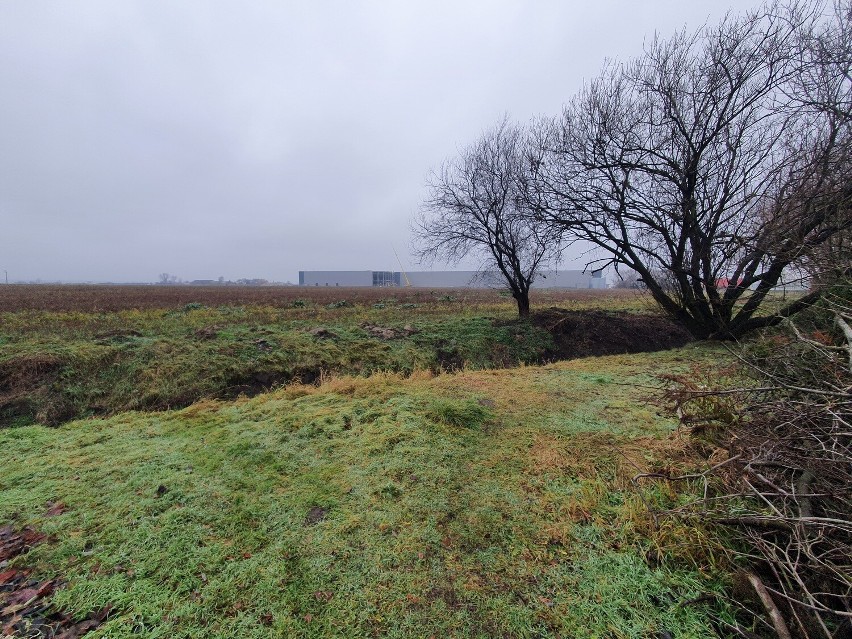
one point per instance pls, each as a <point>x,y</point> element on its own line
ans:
<point>784,484</point>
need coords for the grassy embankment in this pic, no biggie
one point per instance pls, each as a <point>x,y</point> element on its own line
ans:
<point>60,365</point>
<point>476,504</point>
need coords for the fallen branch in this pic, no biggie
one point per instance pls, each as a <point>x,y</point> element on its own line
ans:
<point>771,609</point>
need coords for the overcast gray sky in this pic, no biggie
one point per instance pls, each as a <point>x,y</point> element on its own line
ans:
<point>255,139</point>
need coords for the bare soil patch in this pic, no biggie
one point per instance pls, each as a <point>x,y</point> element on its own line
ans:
<point>315,515</point>
<point>589,333</point>
<point>386,332</point>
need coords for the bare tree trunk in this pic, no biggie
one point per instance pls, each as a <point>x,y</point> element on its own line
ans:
<point>523,300</point>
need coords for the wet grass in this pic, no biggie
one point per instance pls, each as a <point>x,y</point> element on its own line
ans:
<point>389,497</point>
<point>490,503</point>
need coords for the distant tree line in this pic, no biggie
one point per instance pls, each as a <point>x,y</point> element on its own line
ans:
<point>168,279</point>
<point>709,166</point>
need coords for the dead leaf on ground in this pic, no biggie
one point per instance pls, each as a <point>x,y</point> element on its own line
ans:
<point>25,607</point>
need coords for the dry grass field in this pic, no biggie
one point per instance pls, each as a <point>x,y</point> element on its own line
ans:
<point>111,298</point>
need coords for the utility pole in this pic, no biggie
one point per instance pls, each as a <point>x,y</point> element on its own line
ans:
<point>7,275</point>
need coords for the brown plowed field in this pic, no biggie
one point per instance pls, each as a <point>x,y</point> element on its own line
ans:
<point>108,298</point>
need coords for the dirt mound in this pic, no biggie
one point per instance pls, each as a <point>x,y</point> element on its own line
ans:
<point>386,332</point>
<point>586,333</point>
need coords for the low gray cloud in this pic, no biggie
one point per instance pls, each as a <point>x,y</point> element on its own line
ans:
<point>257,139</point>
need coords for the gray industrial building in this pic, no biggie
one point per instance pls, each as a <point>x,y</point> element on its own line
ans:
<point>447,279</point>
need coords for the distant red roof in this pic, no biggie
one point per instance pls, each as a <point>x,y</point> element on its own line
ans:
<point>724,282</point>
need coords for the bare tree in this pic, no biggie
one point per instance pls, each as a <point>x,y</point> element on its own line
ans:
<point>823,90</point>
<point>476,207</point>
<point>696,164</point>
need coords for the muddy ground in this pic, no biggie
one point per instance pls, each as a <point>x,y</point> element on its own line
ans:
<point>589,333</point>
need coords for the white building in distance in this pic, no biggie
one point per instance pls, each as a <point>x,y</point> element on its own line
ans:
<point>447,279</point>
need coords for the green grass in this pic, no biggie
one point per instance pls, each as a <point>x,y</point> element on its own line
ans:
<point>487,503</point>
